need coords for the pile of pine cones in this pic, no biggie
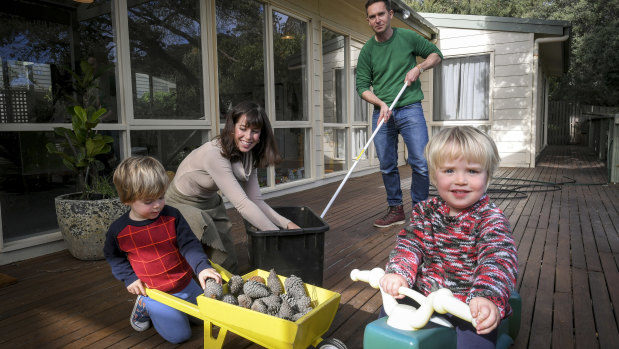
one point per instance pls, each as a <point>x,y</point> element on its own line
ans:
<point>265,296</point>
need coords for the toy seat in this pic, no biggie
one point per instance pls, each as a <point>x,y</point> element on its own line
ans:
<point>380,335</point>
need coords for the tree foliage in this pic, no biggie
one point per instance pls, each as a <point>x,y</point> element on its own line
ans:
<point>593,76</point>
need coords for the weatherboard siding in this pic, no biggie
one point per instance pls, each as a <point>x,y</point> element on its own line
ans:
<point>511,86</point>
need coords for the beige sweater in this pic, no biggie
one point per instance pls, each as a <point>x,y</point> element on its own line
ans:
<point>204,171</point>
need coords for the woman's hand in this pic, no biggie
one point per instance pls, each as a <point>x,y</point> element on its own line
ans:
<point>485,313</point>
<point>291,225</point>
<point>137,287</point>
<point>208,273</point>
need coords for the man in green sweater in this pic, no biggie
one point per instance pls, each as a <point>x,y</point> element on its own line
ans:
<point>386,61</point>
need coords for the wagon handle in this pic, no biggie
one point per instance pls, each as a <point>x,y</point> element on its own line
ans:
<point>225,275</point>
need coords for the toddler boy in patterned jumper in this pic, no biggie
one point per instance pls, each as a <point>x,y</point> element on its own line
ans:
<point>153,246</point>
<point>459,240</point>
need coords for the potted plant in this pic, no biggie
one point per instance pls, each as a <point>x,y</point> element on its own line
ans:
<point>84,216</point>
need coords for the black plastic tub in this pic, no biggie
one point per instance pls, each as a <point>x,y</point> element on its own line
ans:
<point>297,252</point>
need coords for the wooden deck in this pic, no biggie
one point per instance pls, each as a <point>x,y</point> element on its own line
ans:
<point>568,249</point>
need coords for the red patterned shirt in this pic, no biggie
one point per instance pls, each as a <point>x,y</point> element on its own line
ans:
<point>472,254</point>
<point>160,252</point>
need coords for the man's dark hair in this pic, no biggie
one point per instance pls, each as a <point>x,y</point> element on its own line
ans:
<point>372,2</point>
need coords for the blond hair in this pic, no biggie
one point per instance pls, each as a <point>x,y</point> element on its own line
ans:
<point>140,177</point>
<point>464,142</point>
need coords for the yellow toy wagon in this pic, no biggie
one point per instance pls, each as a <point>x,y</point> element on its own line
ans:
<point>266,330</point>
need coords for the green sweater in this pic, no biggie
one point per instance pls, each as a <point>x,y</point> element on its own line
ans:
<point>384,65</point>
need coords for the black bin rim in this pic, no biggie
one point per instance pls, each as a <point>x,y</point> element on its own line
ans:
<point>289,232</point>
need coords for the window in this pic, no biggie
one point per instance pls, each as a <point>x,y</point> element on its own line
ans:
<point>461,89</point>
<point>334,100</point>
<point>240,53</point>
<point>166,60</point>
<point>361,109</point>
<point>290,65</point>
<point>294,149</point>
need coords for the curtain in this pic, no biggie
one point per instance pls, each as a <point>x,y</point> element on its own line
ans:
<point>463,88</point>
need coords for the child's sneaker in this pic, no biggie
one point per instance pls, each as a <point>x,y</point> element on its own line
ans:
<point>140,321</point>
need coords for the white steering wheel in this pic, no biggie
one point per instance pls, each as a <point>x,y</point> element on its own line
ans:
<point>407,317</point>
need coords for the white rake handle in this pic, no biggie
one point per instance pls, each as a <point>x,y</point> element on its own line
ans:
<point>360,154</point>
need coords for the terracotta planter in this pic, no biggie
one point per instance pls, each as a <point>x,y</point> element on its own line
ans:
<point>83,223</point>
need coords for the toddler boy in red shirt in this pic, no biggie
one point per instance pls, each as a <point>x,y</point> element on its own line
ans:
<point>152,246</point>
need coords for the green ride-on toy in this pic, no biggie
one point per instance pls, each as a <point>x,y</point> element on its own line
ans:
<point>404,325</point>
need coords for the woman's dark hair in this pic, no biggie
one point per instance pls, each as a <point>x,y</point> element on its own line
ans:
<point>265,153</point>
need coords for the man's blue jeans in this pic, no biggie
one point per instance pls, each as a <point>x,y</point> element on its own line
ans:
<point>411,124</point>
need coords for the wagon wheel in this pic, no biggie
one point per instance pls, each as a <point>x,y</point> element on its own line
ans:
<point>331,343</point>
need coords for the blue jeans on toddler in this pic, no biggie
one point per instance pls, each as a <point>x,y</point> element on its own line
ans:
<point>411,124</point>
<point>173,325</point>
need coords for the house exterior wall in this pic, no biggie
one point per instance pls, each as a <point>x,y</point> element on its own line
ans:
<point>511,123</point>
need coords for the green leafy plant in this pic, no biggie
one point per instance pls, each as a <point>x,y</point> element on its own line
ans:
<point>81,144</point>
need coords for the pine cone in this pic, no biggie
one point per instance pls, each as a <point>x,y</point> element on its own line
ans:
<point>275,285</point>
<point>258,278</point>
<point>213,290</point>
<point>230,299</point>
<point>289,299</point>
<point>254,289</point>
<point>285,310</point>
<point>273,302</point>
<point>295,287</point>
<point>258,305</point>
<point>235,285</point>
<point>245,301</point>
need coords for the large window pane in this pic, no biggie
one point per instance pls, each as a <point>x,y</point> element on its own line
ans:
<point>333,78</point>
<point>30,179</point>
<point>334,149</point>
<point>462,91</point>
<point>240,52</point>
<point>292,144</point>
<point>37,44</point>
<point>169,147</point>
<point>290,63</point>
<point>96,45</point>
<point>166,62</point>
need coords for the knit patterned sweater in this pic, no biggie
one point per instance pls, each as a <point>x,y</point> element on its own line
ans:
<point>472,254</point>
<point>160,252</point>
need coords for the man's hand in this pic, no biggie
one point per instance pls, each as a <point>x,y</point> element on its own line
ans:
<point>391,283</point>
<point>385,113</point>
<point>412,75</point>
<point>371,98</point>
<point>137,287</point>
<point>208,273</point>
<point>485,313</point>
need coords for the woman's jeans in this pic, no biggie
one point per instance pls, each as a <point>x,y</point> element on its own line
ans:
<point>411,124</point>
<point>173,325</point>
